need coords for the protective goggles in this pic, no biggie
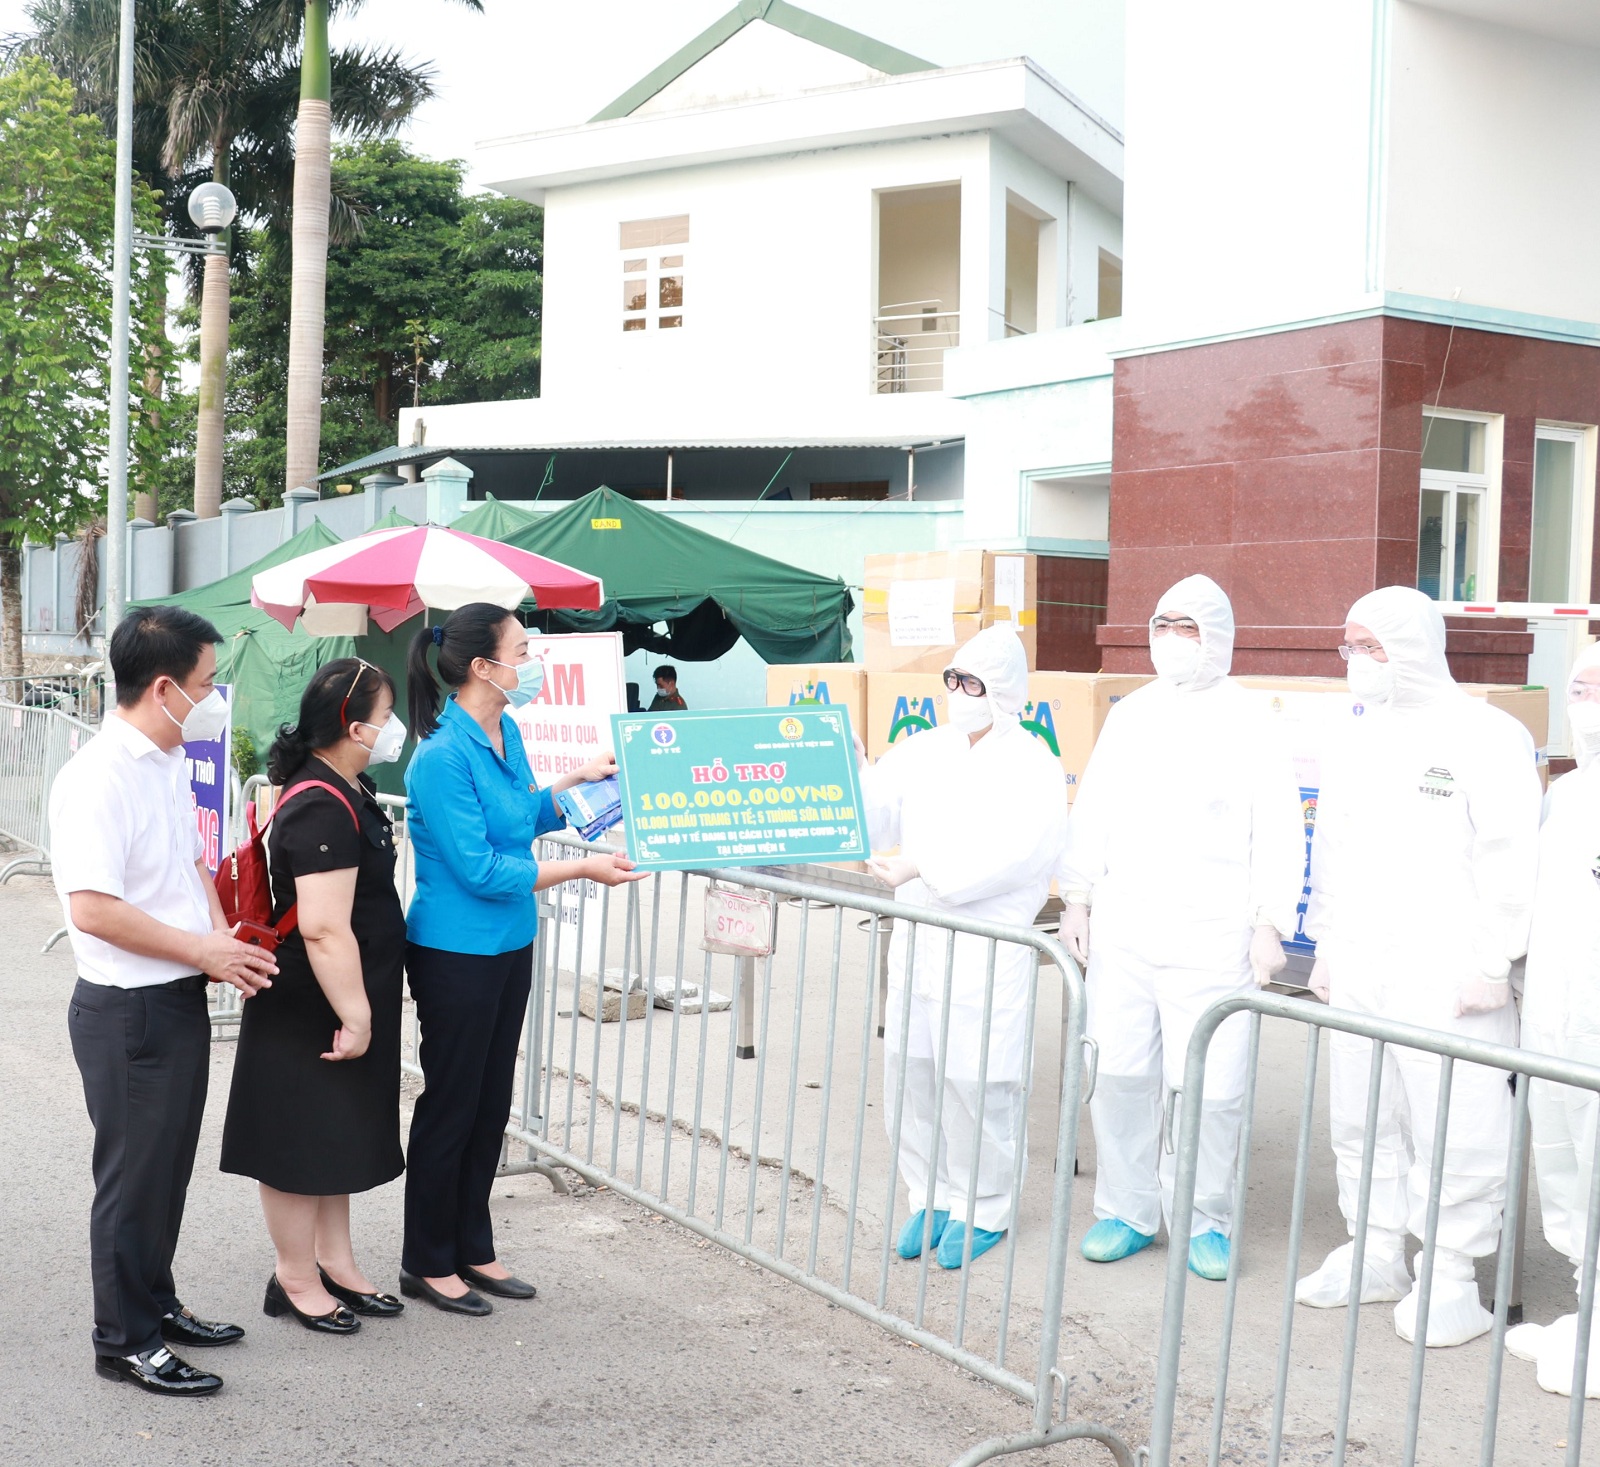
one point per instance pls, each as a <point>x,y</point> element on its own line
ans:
<point>1184,626</point>
<point>972,686</point>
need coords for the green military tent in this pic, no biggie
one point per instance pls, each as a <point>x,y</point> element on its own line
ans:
<point>658,569</point>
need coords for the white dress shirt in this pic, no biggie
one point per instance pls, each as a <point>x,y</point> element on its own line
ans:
<point>122,822</point>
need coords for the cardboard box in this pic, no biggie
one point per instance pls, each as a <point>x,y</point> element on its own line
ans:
<point>883,654</point>
<point>981,580</point>
<point>901,704</point>
<point>1067,710</point>
<point>821,682</point>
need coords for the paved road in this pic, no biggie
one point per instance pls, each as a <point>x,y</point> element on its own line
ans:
<point>643,1347</point>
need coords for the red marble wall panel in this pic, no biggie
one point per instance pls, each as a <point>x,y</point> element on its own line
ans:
<point>1286,466</point>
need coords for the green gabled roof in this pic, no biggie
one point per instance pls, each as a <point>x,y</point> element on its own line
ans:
<point>786,17</point>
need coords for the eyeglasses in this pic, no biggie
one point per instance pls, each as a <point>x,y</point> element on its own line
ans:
<point>1347,650</point>
<point>362,665</point>
<point>1184,626</point>
<point>1583,693</point>
<point>972,686</point>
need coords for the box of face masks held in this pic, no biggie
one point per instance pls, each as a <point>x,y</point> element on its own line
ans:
<point>592,808</point>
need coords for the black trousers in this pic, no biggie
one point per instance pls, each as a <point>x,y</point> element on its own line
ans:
<point>144,1054</point>
<point>471,1011</point>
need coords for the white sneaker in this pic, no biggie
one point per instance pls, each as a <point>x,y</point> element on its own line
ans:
<point>1455,1313</point>
<point>1383,1280</point>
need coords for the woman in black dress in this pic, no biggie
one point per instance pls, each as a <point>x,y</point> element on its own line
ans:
<point>314,1113</point>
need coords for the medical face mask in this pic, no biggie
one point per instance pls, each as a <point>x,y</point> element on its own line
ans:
<point>1370,680</point>
<point>1177,659</point>
<point>530,680</point>
<point>971,715</point>
<point>1583,719</point>
<point>205,721</point>
<point>391,739</point>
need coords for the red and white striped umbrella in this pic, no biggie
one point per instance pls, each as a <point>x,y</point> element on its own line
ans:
<point>392,575</point>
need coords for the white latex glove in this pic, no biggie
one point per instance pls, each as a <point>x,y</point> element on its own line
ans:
<point>1266,954</point>
<point>894,871</point>
<point>861,752</point>
<point>1319,978</point>
<point>1075,931</point>
<point>1483,995</point>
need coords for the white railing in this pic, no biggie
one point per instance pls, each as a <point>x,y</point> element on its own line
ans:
<point>908,345</point>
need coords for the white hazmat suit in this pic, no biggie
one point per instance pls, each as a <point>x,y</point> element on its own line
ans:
<point>981,825</point>
<point>1561,1016</point>
<point>1187,836</point>
<point>1422,873</point>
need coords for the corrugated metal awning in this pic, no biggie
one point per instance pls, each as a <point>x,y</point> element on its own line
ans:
<point>389,458</point>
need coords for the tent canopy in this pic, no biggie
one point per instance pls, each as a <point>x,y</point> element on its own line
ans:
<point>658,569</point>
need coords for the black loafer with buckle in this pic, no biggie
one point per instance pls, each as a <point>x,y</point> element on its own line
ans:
<point>338,1320</point>
<point>374,1305</point>
<point>183,1328</point>
<point>158,1371</point>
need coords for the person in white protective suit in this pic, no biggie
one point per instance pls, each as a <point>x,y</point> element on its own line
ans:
<point>977,808</point>
<point>1422,873</point>
<point>1187,845</point>
<point>1561,1016</point>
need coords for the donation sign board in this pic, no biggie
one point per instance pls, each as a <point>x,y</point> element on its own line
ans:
<point>754,787</point>
<point>569,722</point>
<point>209,762</point>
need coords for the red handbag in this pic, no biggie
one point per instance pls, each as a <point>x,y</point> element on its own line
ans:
<point>244,886</point>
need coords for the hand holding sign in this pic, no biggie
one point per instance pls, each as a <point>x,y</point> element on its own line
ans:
<point>614,869</point>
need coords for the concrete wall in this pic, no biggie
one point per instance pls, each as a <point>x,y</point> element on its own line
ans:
<point>1490,130</point>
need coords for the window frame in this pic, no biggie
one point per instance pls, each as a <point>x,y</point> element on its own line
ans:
<point>1581,553</point>
<point>654,258</point>
<point>1486,485</point>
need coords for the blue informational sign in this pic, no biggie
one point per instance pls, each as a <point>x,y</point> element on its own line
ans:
<point>209,763</point>
<point>752,787</point>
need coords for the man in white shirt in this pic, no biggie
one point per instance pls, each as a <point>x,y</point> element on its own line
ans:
<point>147,932</point>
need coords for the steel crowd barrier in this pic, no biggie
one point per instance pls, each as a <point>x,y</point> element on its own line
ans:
<point>35,742</point>
<point>1257,1264</point>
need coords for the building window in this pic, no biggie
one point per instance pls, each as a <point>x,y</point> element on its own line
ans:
<point>1453,532</point>
<point>652,275</point>
<point>1563,517</point>
<point>1108,301</point>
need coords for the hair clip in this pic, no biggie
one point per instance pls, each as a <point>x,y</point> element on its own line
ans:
<point>438,636</point>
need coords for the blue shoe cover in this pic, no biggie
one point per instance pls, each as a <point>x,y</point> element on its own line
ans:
<point>953,1244</point>
<point>910,1244</point>
<point>1111,1239</point>
<point>1208,1255</point>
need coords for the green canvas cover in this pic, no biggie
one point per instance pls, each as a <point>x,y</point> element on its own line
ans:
<point>658,569</point>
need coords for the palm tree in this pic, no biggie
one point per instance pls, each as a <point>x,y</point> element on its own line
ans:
<point>216,83</point>
<point>308,283</point>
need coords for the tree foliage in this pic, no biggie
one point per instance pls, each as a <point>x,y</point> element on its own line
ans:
<point>56,226</point>
<point>461,274</point>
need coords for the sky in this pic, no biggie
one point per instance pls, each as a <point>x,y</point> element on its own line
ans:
<point>529,65</point>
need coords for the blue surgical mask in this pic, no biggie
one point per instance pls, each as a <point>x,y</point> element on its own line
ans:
<point>530,680</point>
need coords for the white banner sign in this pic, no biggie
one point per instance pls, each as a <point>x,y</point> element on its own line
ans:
<point>570,721</point>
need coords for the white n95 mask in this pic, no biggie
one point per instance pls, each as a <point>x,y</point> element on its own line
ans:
<point>1176,659</point>
<point>205,721</point>
<point>971,715</point>
<point>1370,680</point>
<point>1583,719</point>
<point>390,741</point>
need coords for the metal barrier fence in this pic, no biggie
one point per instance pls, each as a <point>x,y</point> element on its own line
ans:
<point>35,743</point>
<point>78,694</point>
<point>1448,1431</point>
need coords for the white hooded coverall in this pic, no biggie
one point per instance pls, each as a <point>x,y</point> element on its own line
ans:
<point>983,822</point>
<point>1561,1016</point>
<point>1187,833</point>
<point>1422,871</point>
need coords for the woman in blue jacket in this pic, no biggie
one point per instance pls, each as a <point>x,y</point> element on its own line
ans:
<point>474,812</point>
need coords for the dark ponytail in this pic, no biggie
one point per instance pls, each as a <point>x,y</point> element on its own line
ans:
<point>469,632</point>
<point>340,693</point>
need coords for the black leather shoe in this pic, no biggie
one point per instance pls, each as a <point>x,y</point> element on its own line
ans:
<point>158,1371</point>
<point>339,1321</point>
<point>469,1303</point>
<point>502,1288</point>
<point>375,1306</point>
<point>183,1328</point>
